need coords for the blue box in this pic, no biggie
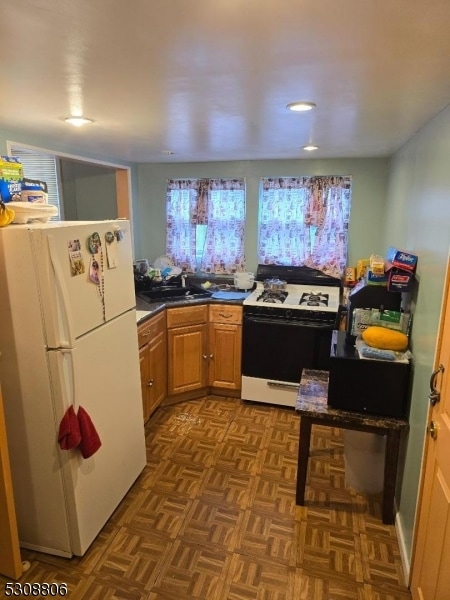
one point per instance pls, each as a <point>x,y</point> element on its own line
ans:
<point>372,279</point>
<point>402,259</point>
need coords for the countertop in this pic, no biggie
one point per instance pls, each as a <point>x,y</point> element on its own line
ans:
<point>145,310</point>
<point>312,401</point>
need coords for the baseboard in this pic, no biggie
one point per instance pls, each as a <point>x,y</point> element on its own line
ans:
<point>404,556</point>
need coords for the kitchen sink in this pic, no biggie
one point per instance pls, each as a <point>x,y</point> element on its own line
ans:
<point>171,293</point>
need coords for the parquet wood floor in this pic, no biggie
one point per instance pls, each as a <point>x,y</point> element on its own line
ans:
<point>213,517</point>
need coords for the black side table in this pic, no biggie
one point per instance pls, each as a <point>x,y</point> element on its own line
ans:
<point>313,409</point>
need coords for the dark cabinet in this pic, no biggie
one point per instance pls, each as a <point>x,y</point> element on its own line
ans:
<point>377,387</point>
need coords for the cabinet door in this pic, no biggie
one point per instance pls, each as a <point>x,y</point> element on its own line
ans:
<point>152,337</point>
<point>225,356</point>
<point>157,372</point>
<point>145,388</point>
<point>188,359</point>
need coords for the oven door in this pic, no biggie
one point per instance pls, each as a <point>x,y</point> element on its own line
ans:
<point>278,350</point>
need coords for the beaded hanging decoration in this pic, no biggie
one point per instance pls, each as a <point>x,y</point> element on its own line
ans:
<point>96,268</point>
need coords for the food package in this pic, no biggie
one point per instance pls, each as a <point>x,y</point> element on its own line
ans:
<point>361,268</point>
<point>350,276</point>
<point>34,190</point>
<point>11,177</point>
<point>376,279</point>
<point>392,319</point>
<point>376,264</point>
<point>361,320</point>
<point>399,280</point>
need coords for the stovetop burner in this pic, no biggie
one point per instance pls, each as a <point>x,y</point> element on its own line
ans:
<point>314,299</point>
<point>271,297</point>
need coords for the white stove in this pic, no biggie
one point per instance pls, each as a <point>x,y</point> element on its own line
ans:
<point>286,331</point>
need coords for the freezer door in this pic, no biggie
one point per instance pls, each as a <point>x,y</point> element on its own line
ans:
<point>72,303</point>
<point>102,375</point>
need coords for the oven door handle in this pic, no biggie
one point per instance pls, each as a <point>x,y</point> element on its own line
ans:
<point>279,384</point>
<point>290,322</point>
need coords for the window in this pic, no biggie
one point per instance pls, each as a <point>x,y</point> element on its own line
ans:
<point>304,221</point>
<point>205,224</point>
<point>43,168</point>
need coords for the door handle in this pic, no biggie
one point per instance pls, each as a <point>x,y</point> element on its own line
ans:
<point>435,395</point>
<point>432,430</point>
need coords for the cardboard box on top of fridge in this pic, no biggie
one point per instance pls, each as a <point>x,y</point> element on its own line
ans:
<point>11,177</point>
<point>402,259</point>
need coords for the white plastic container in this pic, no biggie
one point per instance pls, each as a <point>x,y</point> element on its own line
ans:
<point>244,281</point>
<point>364,460</point>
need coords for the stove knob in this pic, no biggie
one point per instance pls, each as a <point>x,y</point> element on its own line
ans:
<point>288,314</point>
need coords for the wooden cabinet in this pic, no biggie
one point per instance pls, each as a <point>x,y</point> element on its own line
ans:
<point>187,340</point>
<point>224,351</point>
<point>152,336</point>
<point>203,353</point>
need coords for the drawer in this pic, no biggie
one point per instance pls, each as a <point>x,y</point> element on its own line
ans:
<point>151,328</point>
<point>188,315</point>
<point>223,313</point>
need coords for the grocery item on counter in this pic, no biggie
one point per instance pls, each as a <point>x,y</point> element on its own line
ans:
<point>376,264</point>
<point>385,339</point>
<point>350,276</point>
<point>7,214</point>
<point>361,267</point>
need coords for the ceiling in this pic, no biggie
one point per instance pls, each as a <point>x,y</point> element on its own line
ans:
<point>209,80</point>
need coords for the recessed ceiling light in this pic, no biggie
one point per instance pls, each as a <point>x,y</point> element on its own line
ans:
<point>78,121</point>
<point>301,106</point>
<point>167,152</point>
<point>310,148</point>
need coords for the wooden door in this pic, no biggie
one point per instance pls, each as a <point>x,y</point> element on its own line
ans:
<point>10,561</point>
<point>431,558</point>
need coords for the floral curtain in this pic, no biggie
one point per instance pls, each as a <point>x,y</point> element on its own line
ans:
<point>224,244</point>
<point>181,209</point>
<point>304,221</point>
<point>219,206</point>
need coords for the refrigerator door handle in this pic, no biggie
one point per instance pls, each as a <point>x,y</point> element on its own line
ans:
<point>62,366</point>
<point>65,304</point>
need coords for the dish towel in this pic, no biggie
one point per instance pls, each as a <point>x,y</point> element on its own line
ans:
<point>90,440</point>
<point>69,435</point>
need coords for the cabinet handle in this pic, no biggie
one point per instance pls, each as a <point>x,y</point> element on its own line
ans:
<point>211,356</point>
<point>225,315</point>
<point>150,382</point>
<point>147,333</point>
<point>205,356</point>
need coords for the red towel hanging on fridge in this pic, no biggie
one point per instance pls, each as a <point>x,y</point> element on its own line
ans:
<point>90,440</point>
<point>69,435</point>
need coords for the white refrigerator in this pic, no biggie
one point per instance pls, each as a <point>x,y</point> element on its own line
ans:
<point>68,337</point>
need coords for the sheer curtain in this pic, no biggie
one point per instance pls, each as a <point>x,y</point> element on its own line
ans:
<point>206,217</point>
<point>181,208</point>
<point>225,219</point>
<point>304,221</point>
